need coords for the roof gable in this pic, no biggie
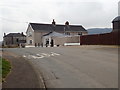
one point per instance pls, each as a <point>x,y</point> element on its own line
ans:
<point>55,34</point>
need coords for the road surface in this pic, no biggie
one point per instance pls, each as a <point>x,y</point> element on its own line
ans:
<point>74,67</point>
<point>20,75</point>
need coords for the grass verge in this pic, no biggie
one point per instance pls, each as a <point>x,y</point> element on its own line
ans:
<point>0,69</point>
<point>6,67</point>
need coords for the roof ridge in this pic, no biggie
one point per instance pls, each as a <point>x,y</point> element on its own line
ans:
<point>58,27</point>
<point>14,34</point>
<point>56,24</point>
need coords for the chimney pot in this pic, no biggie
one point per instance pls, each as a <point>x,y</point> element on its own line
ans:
<point>4,34</point>
<point>53,22</point>
<point>22,33</point>
<point>66,23</point>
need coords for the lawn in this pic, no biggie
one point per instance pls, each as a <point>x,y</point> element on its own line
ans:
<point>5,68</point>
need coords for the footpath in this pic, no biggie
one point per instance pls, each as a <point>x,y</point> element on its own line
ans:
<point>22,74</point>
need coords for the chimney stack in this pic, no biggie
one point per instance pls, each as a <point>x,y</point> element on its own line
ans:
<point>67,27</point>
<point>53,22</point>
<point>4,34</point>
<point>66,23</point>
<point>22,33</point>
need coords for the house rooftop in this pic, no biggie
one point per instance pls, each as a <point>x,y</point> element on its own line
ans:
<point>15,35</point>
<point>116,19</point>
<point>57,27</point>
<point>56,34</point>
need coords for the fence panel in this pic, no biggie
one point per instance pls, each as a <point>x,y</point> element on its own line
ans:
<point>101,39</point>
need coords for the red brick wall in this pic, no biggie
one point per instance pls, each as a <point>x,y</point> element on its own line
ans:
<point>101,39</point>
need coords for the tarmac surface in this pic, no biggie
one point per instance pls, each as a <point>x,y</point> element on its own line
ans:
<point>70,67</point>
<point>22,74</point>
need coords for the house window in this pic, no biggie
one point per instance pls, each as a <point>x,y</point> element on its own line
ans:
<point>30,41</point>
<point>67,33</point>
<point>6,43</point>
<point>17,40</point>
<point>29,34</point>
<point>80,33</point>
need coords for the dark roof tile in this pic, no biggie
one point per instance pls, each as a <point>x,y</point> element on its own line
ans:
<point>57,28</point>
<point>116,19</point>
<point>14,35</point>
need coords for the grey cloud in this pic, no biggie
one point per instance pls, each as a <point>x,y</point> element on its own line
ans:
<point>89,14</point>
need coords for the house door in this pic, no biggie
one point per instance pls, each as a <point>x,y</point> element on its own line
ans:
<point>52,43</point>
<point>47,42</point>
<point>30,42</point>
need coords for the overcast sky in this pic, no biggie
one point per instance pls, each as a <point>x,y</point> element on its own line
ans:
<point>16,14</point>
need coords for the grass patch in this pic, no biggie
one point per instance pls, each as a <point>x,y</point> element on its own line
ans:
<point>0,69</point>
<point>6,67</point>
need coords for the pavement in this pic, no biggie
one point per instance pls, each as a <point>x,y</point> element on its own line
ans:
<point>73,67</point>
<point>22,74</point>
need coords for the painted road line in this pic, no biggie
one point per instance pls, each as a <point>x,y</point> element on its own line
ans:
<point>36,57</point>
<point>53,54</point>
<point>46,54</point>
<point>41,55</point>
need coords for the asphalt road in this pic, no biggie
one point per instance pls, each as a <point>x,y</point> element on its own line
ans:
<point>20,75</point>
<point>74,67</point>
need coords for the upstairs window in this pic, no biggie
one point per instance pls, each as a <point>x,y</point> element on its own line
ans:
<point>29,34</point>
<point>17,40</point>
<point>80,33</point>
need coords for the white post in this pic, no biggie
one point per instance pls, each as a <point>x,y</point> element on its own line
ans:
<point>79,39</point>
<point>20,45</point>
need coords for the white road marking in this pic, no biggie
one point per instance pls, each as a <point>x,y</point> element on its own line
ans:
<point>36,57</point>
<point>41,55</point>
<point>45,54</point>
<point>53,54</point>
